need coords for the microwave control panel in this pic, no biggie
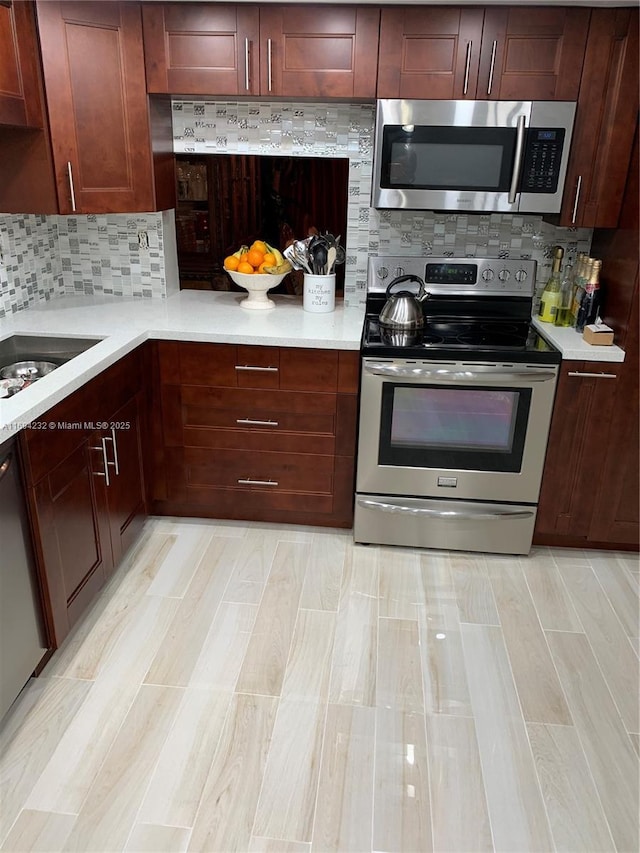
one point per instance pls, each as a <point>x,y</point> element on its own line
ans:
<point>543,154</point>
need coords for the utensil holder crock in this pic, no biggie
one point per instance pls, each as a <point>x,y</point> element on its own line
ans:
<point>319,293</point>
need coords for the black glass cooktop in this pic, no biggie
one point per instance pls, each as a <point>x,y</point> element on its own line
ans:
<point>515,340</point>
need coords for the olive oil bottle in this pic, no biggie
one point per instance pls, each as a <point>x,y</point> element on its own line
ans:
<point>550,299</point>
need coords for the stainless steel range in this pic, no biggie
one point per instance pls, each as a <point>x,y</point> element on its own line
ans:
<point>455,408</point>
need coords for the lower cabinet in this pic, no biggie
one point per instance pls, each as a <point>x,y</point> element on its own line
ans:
<point>83,462</point>
<point>594,424</point>
<point>257,433</point>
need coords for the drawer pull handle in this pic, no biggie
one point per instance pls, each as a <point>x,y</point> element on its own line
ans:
<point>467,66</point>
<point>593,375</point>
<point>493,66</point>
<point>255,367</point>
<point>248,482</point>
<point>251,422</point>
<point>574,215</point>
<point>102,447</point>
<point>115,464</point>
<point>71,187</point>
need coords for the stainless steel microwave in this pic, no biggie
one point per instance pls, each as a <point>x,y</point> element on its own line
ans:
<point>502,156</point>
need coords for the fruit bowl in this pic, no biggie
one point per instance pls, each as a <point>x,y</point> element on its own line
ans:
<point>257,284</point>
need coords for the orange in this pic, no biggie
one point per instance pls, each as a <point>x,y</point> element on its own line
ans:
<point>255,257</point>
<point>270,259</point>
<point>231,263</point>
<point>245,267</point>
<point>264,266</point>
<point>260,245</point>
<point>244,258</point>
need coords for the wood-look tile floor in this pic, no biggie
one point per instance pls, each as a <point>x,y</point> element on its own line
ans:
<point>248,687</point>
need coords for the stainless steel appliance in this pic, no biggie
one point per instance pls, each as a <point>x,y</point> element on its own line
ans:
<point>508,156</point>
<point>21,638</point>
<point>454,417</point>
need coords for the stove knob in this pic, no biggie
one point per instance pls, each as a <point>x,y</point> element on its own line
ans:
<point>521,275</point>
<point>488,275</point>
<point>398,271</point>
<point>383,272</point>
<point>504,275</point>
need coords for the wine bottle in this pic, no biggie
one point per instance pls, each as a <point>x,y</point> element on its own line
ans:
<point>591,300</point>
<point>580,284</point>
<point>550,298</point>
<point>564,317</point>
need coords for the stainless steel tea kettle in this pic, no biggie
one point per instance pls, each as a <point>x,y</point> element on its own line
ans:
<point>403,311</point>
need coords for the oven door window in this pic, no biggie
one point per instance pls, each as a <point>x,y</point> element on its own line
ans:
<point>448,158</point>
<point>465,428</point>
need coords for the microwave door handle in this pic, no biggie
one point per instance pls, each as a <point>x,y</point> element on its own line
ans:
<point>517,160</point>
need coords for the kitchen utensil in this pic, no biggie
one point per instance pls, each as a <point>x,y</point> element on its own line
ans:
<point>28,371</point>
<point>331,259</point>
<point>403,310</point>
<point>319,254</point>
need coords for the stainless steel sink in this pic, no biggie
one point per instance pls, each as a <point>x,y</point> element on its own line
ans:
<point>36,348</point>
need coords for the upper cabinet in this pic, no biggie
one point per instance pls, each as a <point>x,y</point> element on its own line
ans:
<point>19,93</point>
<point>500,52</point>
<point>292,51</point>
<point>605,121</point>
<point>94,78</point>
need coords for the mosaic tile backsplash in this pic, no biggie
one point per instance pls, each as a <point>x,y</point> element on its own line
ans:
<point>42,257</point>
<point>346,130</point>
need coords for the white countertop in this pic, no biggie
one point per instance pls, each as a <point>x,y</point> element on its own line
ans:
<point>573,347</point>
<point>191,315</point>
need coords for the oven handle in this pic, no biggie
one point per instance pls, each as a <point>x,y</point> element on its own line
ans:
<point>446,515</point>
<point>398,372</point>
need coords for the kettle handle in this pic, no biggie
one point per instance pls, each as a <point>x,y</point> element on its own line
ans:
<point>408,277</point>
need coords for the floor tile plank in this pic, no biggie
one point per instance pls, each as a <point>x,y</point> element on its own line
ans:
<point>607,747</point>
<point>459,807</point>
<point>309,666</point>
<point>146,838</point>
<point>353,675</point>
<point>265,661</point>
<point>345,795</point>
<point>184,760</point>
<point>575,812</point>
<point>226,813</point>
<point>109,811</point>
<point>553,604</point>
<point>179,566</point>
<point>473,590</point>
<point>537,683</point>
<point>38,831</point>
<point>224,647</point>
<point>608,640</point>
<point>401,809</point>
<point>322,583</point>
<point>399,583</point>
<point>516,808</point>
<point>399,678</point>
<point>287,801</point>
<point>30,735</point>
<point>621,588</point>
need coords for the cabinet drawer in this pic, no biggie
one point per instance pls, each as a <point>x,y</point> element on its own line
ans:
<point>277,440</point>
<point>256,367</point>
<point>264,471</point>
<point>261,405</point>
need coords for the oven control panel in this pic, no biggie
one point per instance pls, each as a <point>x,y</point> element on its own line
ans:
<point>490,276</point>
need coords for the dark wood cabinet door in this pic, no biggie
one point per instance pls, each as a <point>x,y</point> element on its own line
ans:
<point>95,86</point>
<point>19,91</point>
<point>202,48</point>
<point>125,491</point>
<point>578,438</point>
<point>532,53</point>
<point>605,121</point>
<point>429,52</point>
<point>317,52</point>
<point>72,534</point>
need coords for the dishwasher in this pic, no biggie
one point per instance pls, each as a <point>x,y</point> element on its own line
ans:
<point>22,644</point>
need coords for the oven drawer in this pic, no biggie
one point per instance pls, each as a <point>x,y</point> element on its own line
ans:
<point>445,525</point>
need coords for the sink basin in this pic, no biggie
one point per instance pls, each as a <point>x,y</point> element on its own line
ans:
<point>19,349</point>
<point>39,348</point>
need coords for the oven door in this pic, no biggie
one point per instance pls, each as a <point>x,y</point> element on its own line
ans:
<point>454,430</point>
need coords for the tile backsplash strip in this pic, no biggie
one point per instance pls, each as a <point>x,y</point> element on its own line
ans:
<point>111,254</point>
<point>346,130</point>
<point>30,268</point>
